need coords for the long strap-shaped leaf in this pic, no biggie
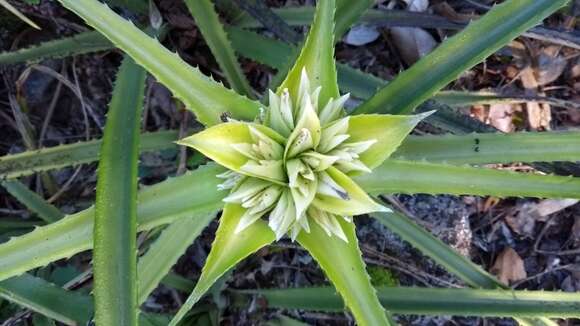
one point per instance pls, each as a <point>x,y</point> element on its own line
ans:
<point>166,250</point>
<point>114,254</point>
<point>492,148</point>
<point>275,53</point>
<point>465,149</point>
<point>302,15</point>
<point>429,178</point>
<point>195,193</point>
<point>133,5</point>
<point>418,237</point>
<point>208,22</point>
<point>205,97</point>
<point>48,299</point>
<point>74,45</point>
<point>472,45</point>
<point>46,211</point>
<point>228,249</point>
<point>429,301</point>
<point>189,195</point>
<point>40,296</point>
<point>347,13</point>
<point>14,11</point>
<point>265,50</point>
<point>317,56</point>
<point>70,308</point>
<point>50,158</point>
<point>343,265</point>
<point>447,257</point>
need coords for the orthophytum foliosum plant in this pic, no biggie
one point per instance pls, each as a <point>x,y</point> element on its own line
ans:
<point>297,166</point>
<point>294,166</point>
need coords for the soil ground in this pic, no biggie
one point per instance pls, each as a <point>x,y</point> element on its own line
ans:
<point>531,251</point>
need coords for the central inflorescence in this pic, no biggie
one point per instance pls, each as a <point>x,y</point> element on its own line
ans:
<point>281,182</point>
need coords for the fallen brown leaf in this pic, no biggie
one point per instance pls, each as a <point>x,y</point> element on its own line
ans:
<point>550,65</point>
<point>500,116</point>
<point>509,267</point>
<point>524,221</point>
<point>522,224</point>
<point>413,43</point>
<point>539,115</point>
<point>541,210</point>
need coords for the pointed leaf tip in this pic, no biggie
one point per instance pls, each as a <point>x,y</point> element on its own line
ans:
<point>358,202</point>
<point>317,56</point>
<point>389,131</point>
<point>228,249</point>
<point>216,143</point>
<point>343,265</point>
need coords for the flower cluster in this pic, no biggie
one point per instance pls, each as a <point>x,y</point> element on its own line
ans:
<point>281,180</point>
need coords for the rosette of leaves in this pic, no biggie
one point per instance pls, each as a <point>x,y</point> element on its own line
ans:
<point>294,166</point>
<point>288,168</point>
<point>289,173</point>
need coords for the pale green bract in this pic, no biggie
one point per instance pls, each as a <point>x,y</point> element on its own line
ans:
<point>292,165</point>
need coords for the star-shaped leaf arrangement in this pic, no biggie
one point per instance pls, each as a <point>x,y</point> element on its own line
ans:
<point>289,174</point>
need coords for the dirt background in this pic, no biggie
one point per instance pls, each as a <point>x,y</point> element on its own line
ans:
<point>530,244</point>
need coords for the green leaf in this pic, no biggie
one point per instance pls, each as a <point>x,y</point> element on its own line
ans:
<point>388,131</point>
<point>359,84</point>
<point>68,307</point>
<point>285,321</point>
<point>348,12</point>
<point>428,301</point>
<point>206,98</point>
<point>17,13</point>
<point>216,143</point>
<point>431,246</point>
<point>343,265</point>
<point>317,57</point>
<point>114,254</point>
<point>166,250</point>
<point>480,39</point>
<point>208,22</point>
<point>81,43</point>
<point>189,195</point>
<point>356,201</point>
<point>492,148</point>
<point>46,211</point>
<point>265,50</point>
<point>302,15</point>
<point>45,159</point>
<point>483,97</point>
<point>178,282</point>
<point>227,250</point>
<point>418,177</point>
<point>48,299</point>
<point>7,224</point>
<point>139,6</point>
<point>364,85</point>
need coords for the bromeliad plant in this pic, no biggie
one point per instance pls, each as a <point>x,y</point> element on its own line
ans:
<point>293,164</point>
<point>298,166</point>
